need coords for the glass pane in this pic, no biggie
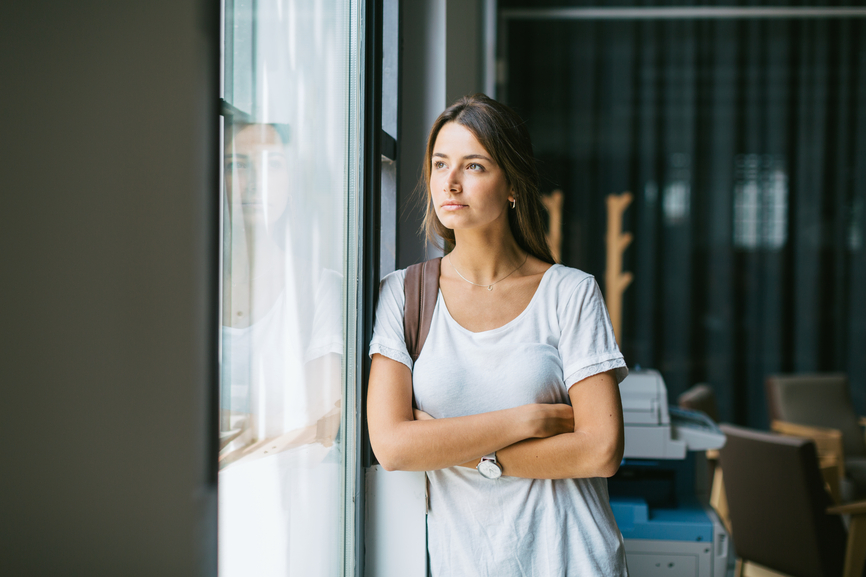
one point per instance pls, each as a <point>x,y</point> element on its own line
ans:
<point>285,194</point>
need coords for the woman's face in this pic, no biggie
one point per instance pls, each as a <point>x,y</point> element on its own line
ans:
<point>468,188</point>
<point>257,174</point>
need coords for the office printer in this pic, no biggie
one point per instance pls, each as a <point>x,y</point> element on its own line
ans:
<point>660,494</point>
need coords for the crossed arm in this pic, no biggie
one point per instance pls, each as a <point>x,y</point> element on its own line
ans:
<point>540,441</point>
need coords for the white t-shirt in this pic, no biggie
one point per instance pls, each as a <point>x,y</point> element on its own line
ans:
<point>279,514</point>
<point>512,526</point>
<point>263,365</point>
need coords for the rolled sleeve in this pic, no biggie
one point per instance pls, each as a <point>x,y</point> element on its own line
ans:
<point>388,339</point>
<point>587,343</point>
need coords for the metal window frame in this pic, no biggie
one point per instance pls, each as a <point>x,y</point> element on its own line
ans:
<point>375,147</point>
<point>355,269</point>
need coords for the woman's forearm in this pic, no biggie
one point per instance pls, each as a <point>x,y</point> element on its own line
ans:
<point>403,441</point>
<point>426,445</point>
<point>565,456</point>
<point>594,448</point>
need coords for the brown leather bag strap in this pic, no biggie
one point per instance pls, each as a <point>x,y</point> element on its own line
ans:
<point>421,288</point>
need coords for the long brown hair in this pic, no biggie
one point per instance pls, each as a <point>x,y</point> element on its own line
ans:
<point>503,134</point>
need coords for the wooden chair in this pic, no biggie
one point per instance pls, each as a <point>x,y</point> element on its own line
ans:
<point>831,454</point>
<point>823,400</point>
<point>782,517</point>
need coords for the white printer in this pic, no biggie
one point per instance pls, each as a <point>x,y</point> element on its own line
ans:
<point>649,431</point>
<point>659,496</point>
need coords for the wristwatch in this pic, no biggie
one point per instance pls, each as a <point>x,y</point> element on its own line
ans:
<point>488,467</point>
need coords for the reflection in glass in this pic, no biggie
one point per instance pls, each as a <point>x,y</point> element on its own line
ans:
<point>281,364</point>
<point>281,323</point>
<point>284,173</point>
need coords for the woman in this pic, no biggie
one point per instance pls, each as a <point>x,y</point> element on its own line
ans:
<point>520,371</point>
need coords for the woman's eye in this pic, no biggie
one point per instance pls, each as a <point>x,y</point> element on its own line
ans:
<point>438,164</point>
<point>475,166</point>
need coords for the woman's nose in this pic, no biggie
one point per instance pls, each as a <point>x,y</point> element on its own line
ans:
<point>453,183</point>
<point>258,176</point>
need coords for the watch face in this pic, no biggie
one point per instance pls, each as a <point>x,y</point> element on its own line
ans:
<point>489,469</point>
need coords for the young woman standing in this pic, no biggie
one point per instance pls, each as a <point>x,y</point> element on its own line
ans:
<point>518,418</point>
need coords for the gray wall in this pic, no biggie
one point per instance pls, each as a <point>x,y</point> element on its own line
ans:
<point>464,49</point>
<point>442,59</point>
<point>108,195</point>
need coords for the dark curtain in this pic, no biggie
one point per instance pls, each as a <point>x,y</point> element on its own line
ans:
<point>744,143</point>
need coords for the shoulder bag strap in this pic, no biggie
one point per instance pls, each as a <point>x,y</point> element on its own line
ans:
<point>421,288</point>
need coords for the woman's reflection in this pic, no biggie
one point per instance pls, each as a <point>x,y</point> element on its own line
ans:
<point>282,321</point>
<point>279,485</point>
<point>257,185</point>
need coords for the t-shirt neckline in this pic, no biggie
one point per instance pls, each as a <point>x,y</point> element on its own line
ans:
<point>266,318</point>
<point>441,301</point>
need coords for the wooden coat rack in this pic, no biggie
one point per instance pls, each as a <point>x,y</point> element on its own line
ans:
<point>553,203</point>
<point>615,280</point>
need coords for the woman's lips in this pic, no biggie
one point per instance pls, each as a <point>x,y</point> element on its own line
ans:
<point>452,206</point>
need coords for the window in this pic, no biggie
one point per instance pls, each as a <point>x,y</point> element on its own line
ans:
<point>290,206</point>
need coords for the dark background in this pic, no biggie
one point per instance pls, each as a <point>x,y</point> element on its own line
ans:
<point>702,111</point>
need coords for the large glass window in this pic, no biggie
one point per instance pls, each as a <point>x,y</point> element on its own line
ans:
<point>289,140</point>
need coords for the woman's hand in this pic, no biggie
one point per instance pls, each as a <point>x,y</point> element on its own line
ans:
<point>546,420</point>
<point>542,420</point>
<point>594,448</point>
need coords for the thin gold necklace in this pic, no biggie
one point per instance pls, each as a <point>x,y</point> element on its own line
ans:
<point>488,286</point>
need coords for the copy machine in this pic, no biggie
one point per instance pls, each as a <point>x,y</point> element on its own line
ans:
<point>659,495</point>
